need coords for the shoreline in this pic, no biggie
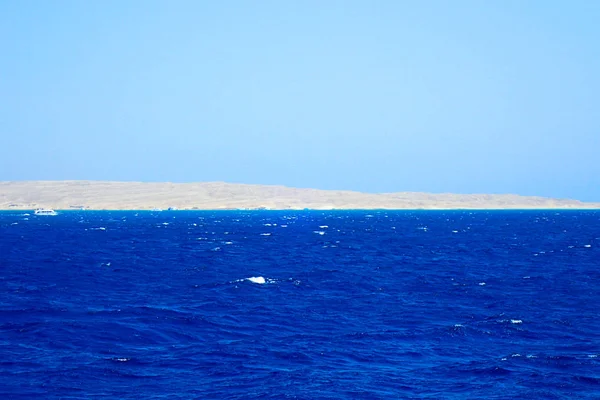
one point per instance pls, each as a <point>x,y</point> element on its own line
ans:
<point>107,195</point>
<point>146,210</point>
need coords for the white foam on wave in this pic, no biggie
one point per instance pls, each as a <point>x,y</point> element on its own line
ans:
<point>323,226</point>
<point>481,283</point>
<point>516,321</point>
<point>15,223</point>
<point>98,229</point>
<point>257,279</point>
<point>587,245</point>
<point>319,233</point>
<point>265,234</point>
<point>454,231</point>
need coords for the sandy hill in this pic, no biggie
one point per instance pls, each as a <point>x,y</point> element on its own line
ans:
<point>218,195</point>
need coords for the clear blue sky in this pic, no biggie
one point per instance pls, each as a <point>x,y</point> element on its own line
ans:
<point>379,96</point>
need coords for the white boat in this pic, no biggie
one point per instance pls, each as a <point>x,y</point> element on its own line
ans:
<point>45,211</point>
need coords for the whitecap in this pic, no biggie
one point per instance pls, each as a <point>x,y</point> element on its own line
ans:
<point>481,283</point>
<point>516,355</point>
<point>99,229</point>
<point>15,223</point>
<point>123,359</point>
<point>319,232</point>
<point>265,234</point>
<point>283,226</point>
<point>516,321</point>
<point>587,245</point>
<point>257,279</point>
<point>323,226</point>
<point>454,231</point>
<point>228,242</point>
<point>527,277</point>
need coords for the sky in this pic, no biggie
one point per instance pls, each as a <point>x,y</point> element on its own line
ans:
<point>378,96</point>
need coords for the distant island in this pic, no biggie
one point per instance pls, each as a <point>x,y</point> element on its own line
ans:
<point>105,195</point>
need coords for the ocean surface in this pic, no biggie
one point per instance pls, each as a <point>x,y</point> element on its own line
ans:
<point>300,305</point>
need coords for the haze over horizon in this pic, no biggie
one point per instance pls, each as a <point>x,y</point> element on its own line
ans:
<point>458,97</point>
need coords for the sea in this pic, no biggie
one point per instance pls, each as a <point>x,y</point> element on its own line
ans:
<point>363,304</point>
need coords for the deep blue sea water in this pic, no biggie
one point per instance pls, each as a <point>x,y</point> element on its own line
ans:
<point>354,305</point>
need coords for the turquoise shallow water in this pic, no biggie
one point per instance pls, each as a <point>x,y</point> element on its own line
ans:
<point>341,305</point>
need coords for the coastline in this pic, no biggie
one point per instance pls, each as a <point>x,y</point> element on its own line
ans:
<point>201,210</point>
<point>219,196</point>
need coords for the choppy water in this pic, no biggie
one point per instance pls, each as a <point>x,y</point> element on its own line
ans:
<point>300,305</point>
